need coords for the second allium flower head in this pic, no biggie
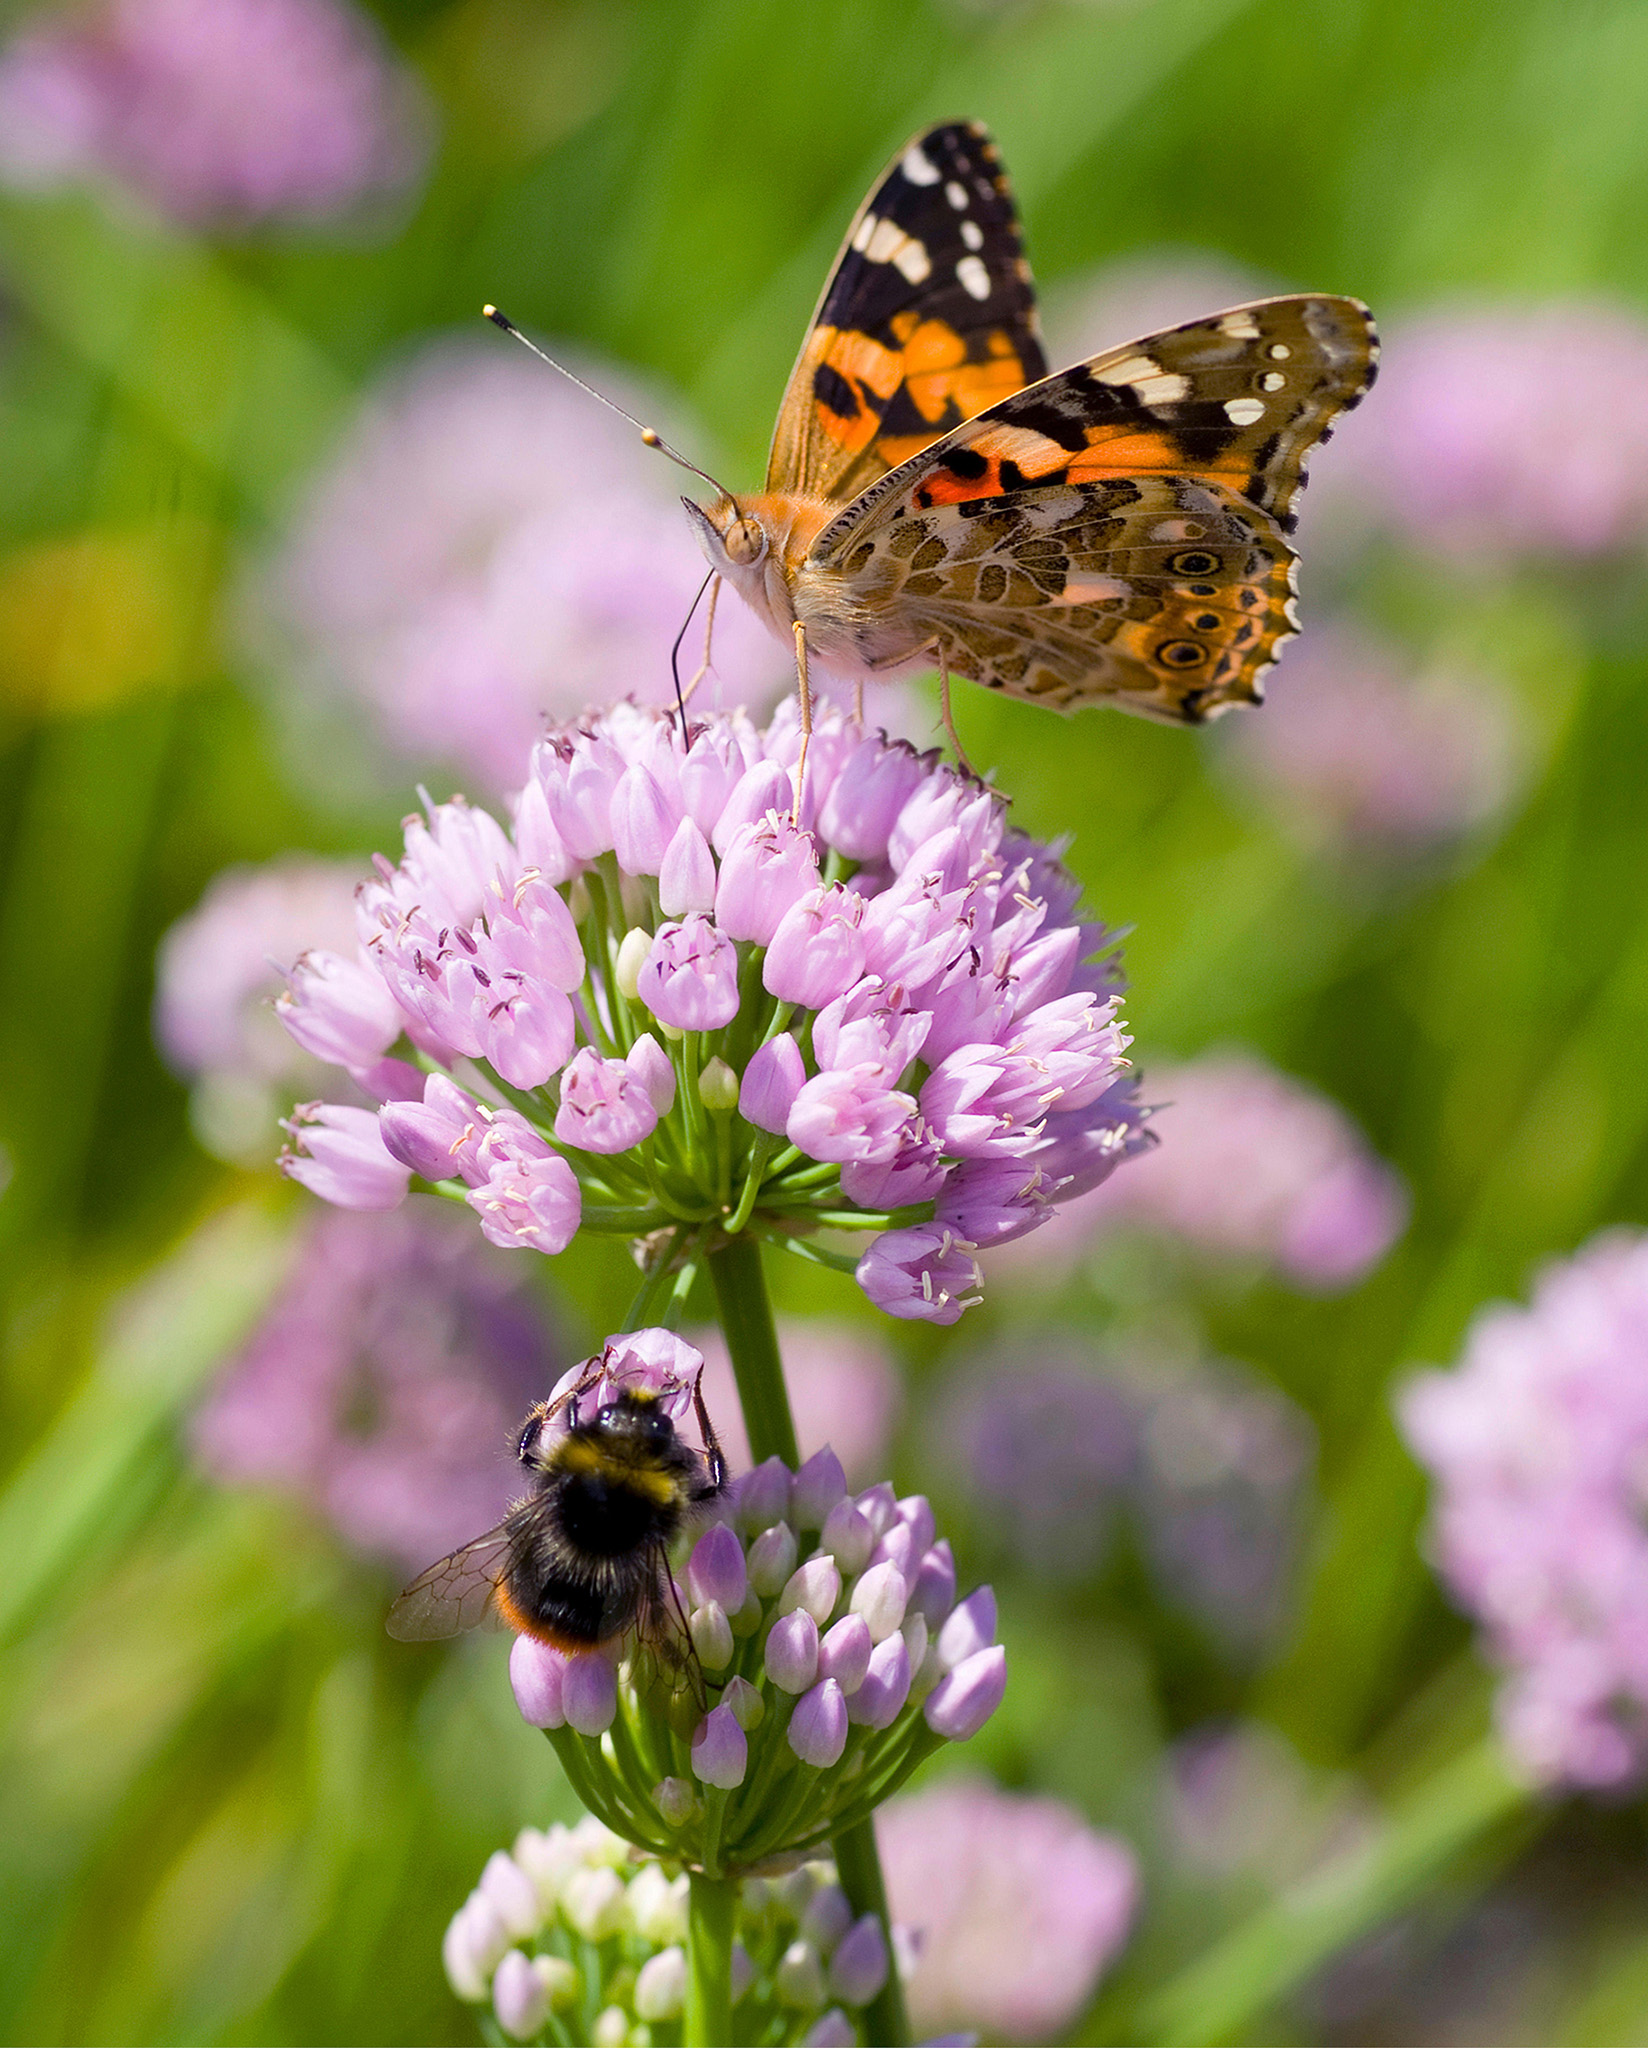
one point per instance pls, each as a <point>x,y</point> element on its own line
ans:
<point>681,999</point>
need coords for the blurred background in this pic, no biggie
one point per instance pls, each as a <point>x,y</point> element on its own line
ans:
<point>286,531</point>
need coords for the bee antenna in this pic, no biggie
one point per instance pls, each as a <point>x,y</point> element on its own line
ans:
<point>650,435</point>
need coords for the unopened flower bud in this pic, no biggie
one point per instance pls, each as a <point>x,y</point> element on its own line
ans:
<point>763,1496</point>
<point>791,1659</point>
<point>772,1080</point>
<point>799,1978</point>
<point>711,1635</point>
<point>881,1597</point>
<point>879,1701</point>
<point>848,1537</point>
<point>611,2028</point>
<point>814,1586</point>
<point>858,1969</point>
<point>675,1800</point>
<point>963,1701</point>
<point>475,1939</point>
<point>525,1988</point>
<point>933,1592</point>
<point>655,1070</point>
<point>819,1484</point>
<point>914,1633</point>
<point>514,1895</point>
<point>916,1512</point>
<point>897,1547</point>
<point>657,1906</point>
<point>818,1726</point>
<point>844,1653</point>
<point>720,1752</point>
<point>537,1675</point>
<point>834,2030</point>
<point>594,1903</point>
<point>715,1571</point>
<point>879,1506</point>
<point>589,1693</point>
<point>686,881</point>
<point>748,1707</point>
<point>827,1918</point>
<point>661,1985</point>
<point>718,1088</point>
<point>743,1971</point>
<point>772,1559</point>
<point>750,1615</point>
<point>632,954</point>
<point>970,1627</point>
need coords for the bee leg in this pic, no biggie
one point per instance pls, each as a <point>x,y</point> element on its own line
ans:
<point>712,1447</point>
<point>804,692</point>
<point>704,666</point>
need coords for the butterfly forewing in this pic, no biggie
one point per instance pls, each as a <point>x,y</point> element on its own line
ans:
<point>928,317</point>
<point>454,1594</point>
<point>1116,531</point>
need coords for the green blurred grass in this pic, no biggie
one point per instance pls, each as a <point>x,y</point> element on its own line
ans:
<point>229,1810</point>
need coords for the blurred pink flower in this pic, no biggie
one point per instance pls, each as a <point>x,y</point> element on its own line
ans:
<point>1240,1802</point>
<point>1355,747</point>
<point>844,1388</point>
<point>1538,1445</point>
<point>1015,1905</point>
<point>1507,429</point>
<point>217,973</point>
<point>1252,1165</point>
<point>385,1382</point>
<point>488,547</point>
<point>216,112</point>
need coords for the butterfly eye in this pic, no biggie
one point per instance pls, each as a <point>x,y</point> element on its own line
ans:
<point>745,542</point>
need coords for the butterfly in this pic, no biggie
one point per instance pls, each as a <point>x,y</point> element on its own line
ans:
<point>1115,533</point>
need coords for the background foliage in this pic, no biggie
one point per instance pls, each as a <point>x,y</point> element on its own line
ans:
<point>230,1809</point>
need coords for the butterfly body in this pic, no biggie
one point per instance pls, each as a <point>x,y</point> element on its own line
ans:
<point>1114,532</point>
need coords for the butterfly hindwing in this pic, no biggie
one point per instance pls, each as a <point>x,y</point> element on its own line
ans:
<point>929,316</point>
<point>1117,531</point>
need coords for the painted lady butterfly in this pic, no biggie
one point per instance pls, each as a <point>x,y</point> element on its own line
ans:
<point>1115,533</point>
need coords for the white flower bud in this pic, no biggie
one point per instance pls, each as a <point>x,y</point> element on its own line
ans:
<point>799,1978</point>
<point>711,1636</point>
<point>814,1587</point>
<point>632,957</point>
<point>848,1537</point>
<point>661,1987</point>
<point>611,2028</point>
<point>593,1902</point>
<point>772,1559</point>
<point>880,1596</point>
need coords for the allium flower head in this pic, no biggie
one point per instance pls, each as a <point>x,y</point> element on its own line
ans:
<point>1254,1165</point>
<point>1507,430</point>
<point>384,1381</point>
<point>824,1633</point>
<point>569,1901</point>
<point>485,548</point>
<point>215,112</point>
<point>1015,1904</point>
<point>1538,1445</point>
<point>217,973</point>
<point>1356,750</point>
<point>598,1060</point>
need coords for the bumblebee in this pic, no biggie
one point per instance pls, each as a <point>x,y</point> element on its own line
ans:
<point>584,1557</point>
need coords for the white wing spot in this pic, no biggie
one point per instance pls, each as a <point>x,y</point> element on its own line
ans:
<point>1272,380</point>
<point>1242,412</point>
<point>1278,351</point>
<point>1154,385</point>
<point>1239,326</point>
<point>973,278</point>
<point>913,263</point>
<point>918,166</point>
<point>972,234</point>
<point>888,243</point>
<point>957,196</point>
<point>862,233</point>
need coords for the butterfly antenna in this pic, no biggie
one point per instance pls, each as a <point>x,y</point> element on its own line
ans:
<point>675,654</point>
<point>650,435</point>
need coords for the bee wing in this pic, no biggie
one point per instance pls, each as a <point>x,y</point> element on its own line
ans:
<point>454,1594</point>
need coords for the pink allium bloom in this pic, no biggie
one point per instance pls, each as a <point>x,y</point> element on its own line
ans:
<point>1015,1904</point>
<point>384,1382</point>
<point>1240,1802</point>
<point>217,973</point>
<point>489,547</point>
<point>1356,748</point>
<point>1252,1165</point>
<point>845,1392</point>
<point>216,113</point>
<point>511,961</point>
<point>1507,430</point>
<point>1538,1445</point>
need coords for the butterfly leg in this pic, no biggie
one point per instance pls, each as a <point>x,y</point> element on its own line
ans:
<point>804,691</point>
<point>709,635</point>
<point>945,713</point>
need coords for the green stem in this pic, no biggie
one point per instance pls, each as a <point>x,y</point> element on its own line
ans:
<point>859,1868</point>
<point>712,1907</point>
<point>752,1343</point>
<point>652,1284</point>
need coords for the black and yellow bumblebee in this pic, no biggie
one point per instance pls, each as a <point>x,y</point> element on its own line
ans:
<point>584,1557</point>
